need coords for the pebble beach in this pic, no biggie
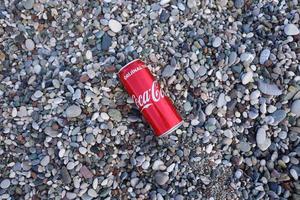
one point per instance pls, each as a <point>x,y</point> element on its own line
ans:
<point>69,130</point>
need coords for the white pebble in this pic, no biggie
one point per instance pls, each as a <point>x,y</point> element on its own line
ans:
<point>171,167</point>
<point>70,165</point>
<point>104,116</point>
<point>115,26</point>
<point>5,183</point>
<point>95,183</point>
<point>209,148</point>
<point>89,55</point>
<point>247,78</point>
<point>61,153</point>
<point>29,44</point>
<point>37,69</point>
<point>92,193</point>
<point>238,174</point>
<point>146,165</point>
<point>217,42</point>
<point>45,161</point>
<point>157,165</point>
<point>163,2</point>
<point>14,112</point>
<point>228,133</point>
<point>295,108</point>
<point>38,94</point>
<point>195,122</point>
<point>294,174</point>
<point>82,150</point>
<point>291,29</point>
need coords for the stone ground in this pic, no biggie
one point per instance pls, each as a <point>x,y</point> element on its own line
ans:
<point>68,130</point>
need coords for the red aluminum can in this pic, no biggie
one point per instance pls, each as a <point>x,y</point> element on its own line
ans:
<point>145,91</point>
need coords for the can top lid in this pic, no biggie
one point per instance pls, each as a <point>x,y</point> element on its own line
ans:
<point>127,65</point>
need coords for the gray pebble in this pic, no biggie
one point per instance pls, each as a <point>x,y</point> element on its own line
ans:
<point>161,178</point>
<point>217,42</point>
<point>146,165</point>
<point>50,132</point>
<point>269,89</point>
<point>73,111</point>
<point>295,108</point>
<point>291,29</point>
<point>179,197</point>
<point>66,178</point>
<point>264,56</point>
<point>232,58</point>
<point>45,161</point>
<point>92,193</point>
<point>71,195</point>
<point>90,138</point>
<point>192,3</point>
<point>187,106</point>
<point>239,3</point>
<point>168,71</point>
<point>28,4</point>
<point>38,94</point>
<point>278,116</point>
<point>106,42</point>
<point>190,73</point>
<point>202,71</point>
<point>5,184</point>
<point>115,114</point>
<point>262,141</point>
<point>245,147</point>
<point>164,16</point>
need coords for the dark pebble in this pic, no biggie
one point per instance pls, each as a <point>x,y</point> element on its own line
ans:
<point>65,176</point>
<point>106,42</point>
<point>273,186</point>
<point>164,16</point>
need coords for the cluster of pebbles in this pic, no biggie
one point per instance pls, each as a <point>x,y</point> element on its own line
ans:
<point>68,130</point>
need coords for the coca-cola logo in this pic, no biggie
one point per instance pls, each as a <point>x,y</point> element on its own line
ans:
<point>153,94</point>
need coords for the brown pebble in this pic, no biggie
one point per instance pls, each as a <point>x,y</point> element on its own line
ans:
<point>297,37</point>
<point>21,139</point>
<point>2,56</point>
<point>85,172</point>
<point>55,126</point>
<point>110,69</point>
<point>84,78</point>
<point>100,154</point>
<point>268,63</point>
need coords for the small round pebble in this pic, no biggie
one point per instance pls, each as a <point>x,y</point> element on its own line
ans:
<point>5,184</point>
<point>295,108</point>
<point>88,55</point>
<point>217,42</point>
<point>291,29</point>
<point>92,193</point>
<point>73,111</point>
<point>115,25</point>
<point>29,44</point>
<point>161,178</point>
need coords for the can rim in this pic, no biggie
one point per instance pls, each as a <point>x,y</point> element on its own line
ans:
<point>127,65</point>
<point>171,129</point>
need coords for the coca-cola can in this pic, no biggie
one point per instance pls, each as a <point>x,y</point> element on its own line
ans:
<point>155,106</point>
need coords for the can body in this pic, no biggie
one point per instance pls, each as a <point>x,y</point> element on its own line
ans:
<point>155,106</point>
